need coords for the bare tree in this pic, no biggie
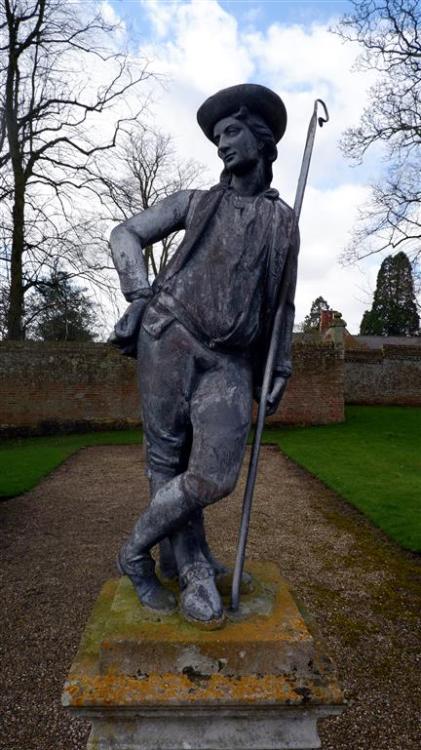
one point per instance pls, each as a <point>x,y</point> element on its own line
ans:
<point>389,33</point>
<point>4,307</point>
<point>54,122</point>
<point>144,170</point>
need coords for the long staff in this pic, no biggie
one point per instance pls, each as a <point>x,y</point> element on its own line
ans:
<point>287,280</point>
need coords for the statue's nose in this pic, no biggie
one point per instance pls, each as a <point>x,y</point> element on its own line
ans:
<point>222,147</point>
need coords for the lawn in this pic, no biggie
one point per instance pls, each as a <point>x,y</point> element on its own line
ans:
<point>373,460</point>
<point>23,462</point>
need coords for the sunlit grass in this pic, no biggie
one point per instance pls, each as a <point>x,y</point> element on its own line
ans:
<point>373,460</point>
<point>23,462</point>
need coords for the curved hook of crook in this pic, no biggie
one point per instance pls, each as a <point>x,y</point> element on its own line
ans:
<point>325,118</point>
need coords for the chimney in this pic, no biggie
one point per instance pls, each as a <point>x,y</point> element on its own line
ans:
<point>337,329</point>
<point>326,318</point>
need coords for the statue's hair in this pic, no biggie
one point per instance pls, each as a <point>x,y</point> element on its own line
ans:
<point>262,133</point>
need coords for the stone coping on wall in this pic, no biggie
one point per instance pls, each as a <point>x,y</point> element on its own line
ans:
<point>387,351</point>
<point>363,355</point>
<point>84,357</point>
<point>5,344</point>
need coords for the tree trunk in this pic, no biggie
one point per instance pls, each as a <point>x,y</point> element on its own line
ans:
<point>15,330</point>
<point>15,313</point>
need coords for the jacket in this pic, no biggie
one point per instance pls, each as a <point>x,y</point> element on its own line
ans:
<point>284,243</point>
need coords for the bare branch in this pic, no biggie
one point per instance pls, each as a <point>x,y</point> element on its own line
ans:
<point>388,34</point>
<point>144,170</point>
<point>49,139</point>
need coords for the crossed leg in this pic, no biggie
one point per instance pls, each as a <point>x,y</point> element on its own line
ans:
<point>196,411</point>
<point>197,408</point>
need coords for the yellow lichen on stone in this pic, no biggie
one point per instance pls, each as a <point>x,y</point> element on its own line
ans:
<point>178,690</point>
<point>266,655</point>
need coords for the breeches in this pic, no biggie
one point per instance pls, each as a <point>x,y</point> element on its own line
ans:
<point>196,413</point>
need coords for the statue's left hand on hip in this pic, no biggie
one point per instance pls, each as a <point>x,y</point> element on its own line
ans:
<point>126,330</point>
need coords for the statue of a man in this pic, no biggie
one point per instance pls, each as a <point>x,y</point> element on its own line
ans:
<point>201,333</point>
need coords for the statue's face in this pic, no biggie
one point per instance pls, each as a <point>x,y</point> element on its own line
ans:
<point>237,146</point>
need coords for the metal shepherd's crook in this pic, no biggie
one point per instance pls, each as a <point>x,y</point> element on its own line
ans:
<point>283,292</point>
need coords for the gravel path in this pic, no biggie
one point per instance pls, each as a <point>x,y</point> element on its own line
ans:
<point>59,543</point>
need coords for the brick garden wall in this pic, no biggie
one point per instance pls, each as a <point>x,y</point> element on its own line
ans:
<point>65,386</point>
<point>315,393</point>
<point>389,376</point>
<point>50,387</point>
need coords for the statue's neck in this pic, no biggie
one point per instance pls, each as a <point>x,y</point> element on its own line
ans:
<point>251,182</point>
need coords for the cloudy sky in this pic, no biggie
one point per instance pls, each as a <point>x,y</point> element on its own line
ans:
<point>201,46</point>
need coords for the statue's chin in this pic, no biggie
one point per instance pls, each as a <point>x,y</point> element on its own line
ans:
<point>242,168</point>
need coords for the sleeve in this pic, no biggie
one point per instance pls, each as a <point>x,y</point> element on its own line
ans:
<point>283,361</point>
<point>128,239</point>
<point>194,200</point>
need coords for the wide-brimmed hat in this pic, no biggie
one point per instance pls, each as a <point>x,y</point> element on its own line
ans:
<point>258,99</point>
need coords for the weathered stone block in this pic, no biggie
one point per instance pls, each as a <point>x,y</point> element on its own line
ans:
<point>159,683</point>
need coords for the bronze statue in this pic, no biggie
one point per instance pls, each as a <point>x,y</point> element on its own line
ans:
<point>201,334</point>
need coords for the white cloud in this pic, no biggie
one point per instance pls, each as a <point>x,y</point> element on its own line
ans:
<point>325,222</point>
<point>110,16</point>
<point>160,14</point>
<point>304,64</point>
<point>200,46</point>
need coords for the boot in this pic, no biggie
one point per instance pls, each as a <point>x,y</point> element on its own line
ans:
<point>169,570</point>
<point>179,550</point>
<point>167,563</point>
<point>167,559</point>
<point>223,573</point>
<point>140,569</point>
<point>200,601</point>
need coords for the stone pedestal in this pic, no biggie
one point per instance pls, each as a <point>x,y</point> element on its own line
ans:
<point>151,682</point>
